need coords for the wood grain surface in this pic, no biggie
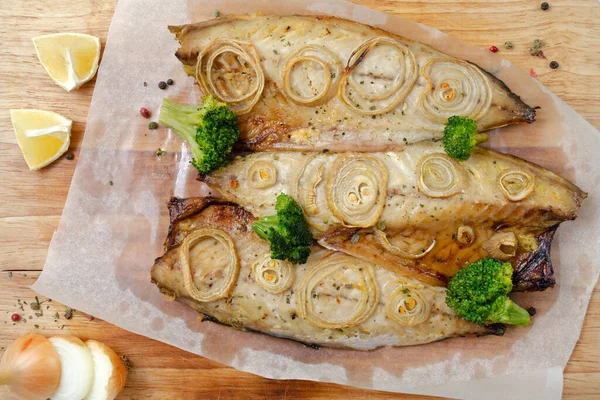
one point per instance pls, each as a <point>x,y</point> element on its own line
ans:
<point>31,202</point>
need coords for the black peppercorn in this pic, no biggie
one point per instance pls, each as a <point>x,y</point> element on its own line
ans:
<point>553,64</point>
<point>69,156</point>
<point>170,82</point>
<point>545,6</point>
<point>162,85</point>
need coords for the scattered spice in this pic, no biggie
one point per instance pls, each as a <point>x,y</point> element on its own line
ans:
<point>15,317</point>
<point>531,311</point>
<point>160,152</point>
<point>325,150</point>
<point>36,326</point>
<point>508,45</point>
<point>493,49</point>
<point>545,6</point>
<point>537,45</point>
<point>144,112</point>
<point>540,54</point>
<point>110,183</point>
<point>35,306</point>
<point>69,156</point>
<point>126,362</point>
<point>554,65</point>
<point>532,73</point>
<point>162,85</point>
<point>68,313</point>
<point>354,238</point>
<point>10,274</point>
<point>145,83</point>
<point>382,225</point>
<point>170,82</point>
<point>152,125</point>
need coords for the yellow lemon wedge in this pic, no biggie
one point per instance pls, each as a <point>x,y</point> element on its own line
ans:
<point>71,59</point>
<point>43,136</point>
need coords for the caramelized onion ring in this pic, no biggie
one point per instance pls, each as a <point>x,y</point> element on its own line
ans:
<point>339,266</point>
<point>275,276</point>
<point>438,175</point>
<point>262,175</point>
<point>233,268</point>
<point>372,102</point>
<point>455,87</point>
<point>356,189</point>
<point>516,185</point>
<point>383,241</point>
<point>243,68</point>
<point>502,245</point>
<point>407,307</point>
<point>330,66</point>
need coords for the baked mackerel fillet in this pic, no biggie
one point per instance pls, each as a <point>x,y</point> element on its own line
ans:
<point>417,211</point>
<point>317,82</point>
<point>217,265</point>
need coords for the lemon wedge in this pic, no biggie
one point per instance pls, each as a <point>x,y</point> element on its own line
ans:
<point>43,136</point>
<point>71,59</point>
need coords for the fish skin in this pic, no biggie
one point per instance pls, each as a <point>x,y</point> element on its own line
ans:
<point>412,218</point>
<point>276,122</point>
<point>250,307</point>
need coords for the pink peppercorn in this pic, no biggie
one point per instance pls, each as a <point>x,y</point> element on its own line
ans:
<point>493,49</point>
<point>15,317</point>
<point>144,112</point>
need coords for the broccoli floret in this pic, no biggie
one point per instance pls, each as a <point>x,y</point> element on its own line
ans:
<point>287,231</point>
<point>210,129</point>
<point>460,136</point>
<point>479,293</point>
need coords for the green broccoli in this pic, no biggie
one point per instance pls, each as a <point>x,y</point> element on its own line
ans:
<point>479,293</point>
<point>287,231</point>
<point>210,129</point>
<point>460,136</point>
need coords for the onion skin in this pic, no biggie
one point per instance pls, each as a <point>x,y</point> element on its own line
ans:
<point>31,367</point>
<point>117,380</point>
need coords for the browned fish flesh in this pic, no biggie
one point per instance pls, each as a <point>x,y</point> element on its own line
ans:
<point>217,265</point>
<point>319,82</point>
<point>416,211</point>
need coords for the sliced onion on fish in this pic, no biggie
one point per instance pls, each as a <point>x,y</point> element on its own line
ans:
<point>230,70</point>
<point>198,263</point>
<point>455,87</point>
<point>338,292</point>
<point>356,189</point>
<point>378,76</point>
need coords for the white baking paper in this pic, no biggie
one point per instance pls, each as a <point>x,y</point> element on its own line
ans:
<point>100,257</point>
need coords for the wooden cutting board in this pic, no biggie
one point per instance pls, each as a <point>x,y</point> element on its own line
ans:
<point>31,202</point>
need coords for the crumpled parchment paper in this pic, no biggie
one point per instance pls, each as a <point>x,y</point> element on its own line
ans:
<point>100,257</point>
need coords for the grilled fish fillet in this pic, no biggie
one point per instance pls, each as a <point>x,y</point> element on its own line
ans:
<point>417,211</point>
<point>217,265</point>
<point>316,82</point>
